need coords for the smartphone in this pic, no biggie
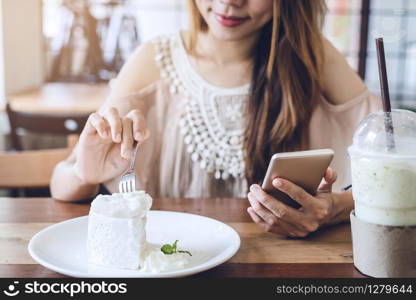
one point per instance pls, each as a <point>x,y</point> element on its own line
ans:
<point>304,168</point>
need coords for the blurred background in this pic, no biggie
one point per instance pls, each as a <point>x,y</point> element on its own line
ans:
<point>56,56</point>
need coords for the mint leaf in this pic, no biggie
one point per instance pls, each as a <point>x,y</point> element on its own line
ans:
<point>167,249</point>
<point>174,245</point>
<point>171,249</point>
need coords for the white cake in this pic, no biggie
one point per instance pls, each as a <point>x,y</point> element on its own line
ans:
<point>116,230</point>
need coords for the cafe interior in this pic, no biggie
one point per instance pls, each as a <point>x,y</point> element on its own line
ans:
<point>57,59</point>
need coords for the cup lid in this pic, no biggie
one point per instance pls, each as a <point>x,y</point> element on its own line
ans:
<point>372,137</point>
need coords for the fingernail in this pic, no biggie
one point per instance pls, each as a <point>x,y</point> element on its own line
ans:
<point>126,153</point>
<point>278,182</point>
<point>138,136</point>
<point>146,134</point>
<point>118,137</point>
<point>254,188</point>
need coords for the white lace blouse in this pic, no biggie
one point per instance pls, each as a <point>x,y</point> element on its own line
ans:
<point>195,148</point>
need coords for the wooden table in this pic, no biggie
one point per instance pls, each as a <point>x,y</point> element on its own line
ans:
<point>323,254</point>
<point>61,98</point>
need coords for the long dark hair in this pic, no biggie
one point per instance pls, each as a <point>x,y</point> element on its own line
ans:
<point>285,82</point>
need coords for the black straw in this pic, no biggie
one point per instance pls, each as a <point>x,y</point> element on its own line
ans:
<point>385,94</point>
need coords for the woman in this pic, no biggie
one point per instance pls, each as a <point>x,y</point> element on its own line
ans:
<point>251,78</point>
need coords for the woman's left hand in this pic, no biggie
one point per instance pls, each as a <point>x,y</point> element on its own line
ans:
<point>274,216</point>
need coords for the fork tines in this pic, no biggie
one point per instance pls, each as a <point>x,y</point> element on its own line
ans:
<point>127,183</point>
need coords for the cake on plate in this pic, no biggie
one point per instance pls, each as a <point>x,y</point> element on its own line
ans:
<point>116,230</point>
<point>117,236</point>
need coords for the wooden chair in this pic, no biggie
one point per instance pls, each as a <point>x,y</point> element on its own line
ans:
<point>31,169</point>
<point>43,123</point>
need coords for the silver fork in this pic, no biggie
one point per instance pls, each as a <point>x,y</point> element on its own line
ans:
<point>127,182</point>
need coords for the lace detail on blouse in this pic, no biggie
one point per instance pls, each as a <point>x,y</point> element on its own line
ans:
<point>212,119</point>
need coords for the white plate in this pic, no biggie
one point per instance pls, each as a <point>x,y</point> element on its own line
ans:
<point>62,247</point>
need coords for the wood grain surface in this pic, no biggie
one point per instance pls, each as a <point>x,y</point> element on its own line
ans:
<point>325,253</point>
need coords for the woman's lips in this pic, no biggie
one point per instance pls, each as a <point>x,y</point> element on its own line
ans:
<point>230,21</point>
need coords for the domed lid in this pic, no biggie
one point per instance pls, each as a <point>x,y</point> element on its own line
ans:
<point>371,136</point>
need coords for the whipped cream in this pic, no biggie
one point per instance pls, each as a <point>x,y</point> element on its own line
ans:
<point>156,261</point>
<point>122,205</point>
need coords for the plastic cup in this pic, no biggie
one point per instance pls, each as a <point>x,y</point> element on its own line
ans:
<point>384,179</point>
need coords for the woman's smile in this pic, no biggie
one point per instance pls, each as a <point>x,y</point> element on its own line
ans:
<point>230,21</point>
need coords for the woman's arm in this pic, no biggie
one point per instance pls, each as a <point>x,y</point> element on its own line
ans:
<point>68,182</point>
<point>67,186</point>
<point>340,82</point>
<point>139,71</point>
<point>343,205</point>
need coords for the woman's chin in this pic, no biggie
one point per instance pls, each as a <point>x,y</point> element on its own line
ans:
<point>229,34</point>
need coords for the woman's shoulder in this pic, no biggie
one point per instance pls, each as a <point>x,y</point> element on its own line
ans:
<point>340,82</point>
<point>142,68</point>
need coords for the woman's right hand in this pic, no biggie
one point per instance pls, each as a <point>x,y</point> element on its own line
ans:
<point>106,145</point>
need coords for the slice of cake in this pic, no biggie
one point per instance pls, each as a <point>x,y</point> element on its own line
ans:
<point>116,230</point>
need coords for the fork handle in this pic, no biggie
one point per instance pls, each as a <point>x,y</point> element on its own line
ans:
<point>133,159</point>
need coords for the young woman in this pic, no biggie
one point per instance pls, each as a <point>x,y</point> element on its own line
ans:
<point>250,78</point>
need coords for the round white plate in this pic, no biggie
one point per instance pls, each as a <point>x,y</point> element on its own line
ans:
<point>62,246</point>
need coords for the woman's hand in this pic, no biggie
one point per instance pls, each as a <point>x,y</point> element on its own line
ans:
<point>106,145</point>
<point>276,217</point>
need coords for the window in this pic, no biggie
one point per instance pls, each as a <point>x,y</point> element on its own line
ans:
<point>342,28</point>
<point>90,40</point>
<point>395,21</point>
